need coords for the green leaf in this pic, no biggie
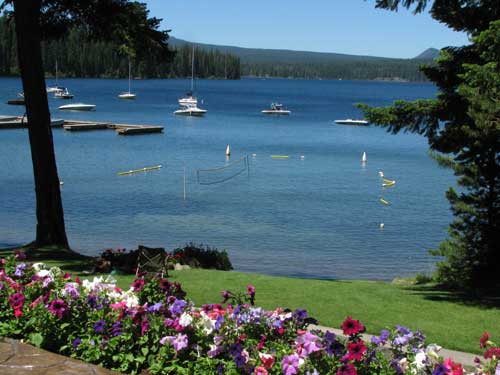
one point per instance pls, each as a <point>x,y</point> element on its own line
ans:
<point>36,339</point>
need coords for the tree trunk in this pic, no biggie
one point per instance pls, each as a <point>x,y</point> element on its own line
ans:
<point>50,228</point>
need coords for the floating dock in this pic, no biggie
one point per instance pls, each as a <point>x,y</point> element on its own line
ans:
<point>20,122</point>
<point>121,129</point>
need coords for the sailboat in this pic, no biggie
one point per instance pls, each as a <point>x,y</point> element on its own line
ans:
<point>128,94</point>
<point>189,104</point>
<point>56,88</point>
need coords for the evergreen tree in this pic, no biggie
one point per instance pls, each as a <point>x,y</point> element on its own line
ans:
<point>463,129</point>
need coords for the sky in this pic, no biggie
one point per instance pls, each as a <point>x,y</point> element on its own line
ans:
<point>342,26</point>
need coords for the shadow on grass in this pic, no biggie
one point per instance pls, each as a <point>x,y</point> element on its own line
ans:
<point>67,260</point>
<point>483,299</point>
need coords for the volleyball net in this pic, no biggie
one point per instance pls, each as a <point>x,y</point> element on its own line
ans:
<point>222,174</point>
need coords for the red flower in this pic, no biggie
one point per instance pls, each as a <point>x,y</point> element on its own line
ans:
<point>352,327</point>
<point>492,352</point>
<point>452,367</point>
<point>137,285</point>
<point>260,371</point>
<point>356,350</point>
<point>347,369</point>
<point>483,340</point>
<point>16,301</point>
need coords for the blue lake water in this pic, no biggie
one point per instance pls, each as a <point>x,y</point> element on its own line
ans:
<point>316,216</point>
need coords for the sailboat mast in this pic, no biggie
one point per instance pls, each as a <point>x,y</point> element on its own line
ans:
<point>129,73</point>
<point>57,80</point>
<point>192,70</point>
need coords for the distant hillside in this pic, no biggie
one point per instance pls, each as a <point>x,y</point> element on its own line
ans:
<point>428,54</point>
<point>306,64</point>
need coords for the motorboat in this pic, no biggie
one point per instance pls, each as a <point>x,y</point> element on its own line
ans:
<point>190,110</point>
<point>128,94</point>
<point>352,122</point>
<point>77,107</point>
<point>64,94</point>
<point>276,109</point>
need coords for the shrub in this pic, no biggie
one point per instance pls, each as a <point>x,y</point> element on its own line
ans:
<point>204,257</point>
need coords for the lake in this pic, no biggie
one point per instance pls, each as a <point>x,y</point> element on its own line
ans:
<point>315,214</point>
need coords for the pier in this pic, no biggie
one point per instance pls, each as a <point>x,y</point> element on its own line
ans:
<point>19,122</point>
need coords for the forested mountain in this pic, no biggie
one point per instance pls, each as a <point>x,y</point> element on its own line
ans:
<point>428,54</point>
<point>78,57</point>
<point>305,64</point>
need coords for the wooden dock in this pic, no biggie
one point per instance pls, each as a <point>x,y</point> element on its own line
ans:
<point>19,122</point>
<point>121,129</point>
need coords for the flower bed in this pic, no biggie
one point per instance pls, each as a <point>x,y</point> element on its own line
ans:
<point>154,327</point>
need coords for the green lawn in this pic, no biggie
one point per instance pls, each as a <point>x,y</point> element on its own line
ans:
<point>452,323</point>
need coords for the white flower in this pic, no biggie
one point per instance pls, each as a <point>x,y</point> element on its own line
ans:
<point>420,360</point>
<point>207,324</point>
<point>37,266</point>
<point>432,350</point>
<point>403,364</point>
<point>43,273</point>
<point>185,320</point>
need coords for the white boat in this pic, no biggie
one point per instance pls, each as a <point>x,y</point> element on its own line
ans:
<point>190,99</point>
<point>55,89</point>
<point>77,107</point>
<point>65,94</point>
<point>128,94</point>
<point>190,110</point>
<point>276,109</point>
<point>352,122</point>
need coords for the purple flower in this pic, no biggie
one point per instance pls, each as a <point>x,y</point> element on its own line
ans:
<point>144,326</point>
<point>218,322</point>
<point>310,343</point>
<point>155,307</point>
<point>226,295</point>
<point>58,307</point>
<point>179,342</point>
<point>300,314</point>
<point>20,255</point>
<point>99,326</point>
<point>92,301</point>
<point>440,370</point>
<point>76,342</point>
<point>19,272</point>
<point>178,306</point>
<point>380,340</point>
<point>116,329</point>
<point>290,364</point>
<point>72,290</point>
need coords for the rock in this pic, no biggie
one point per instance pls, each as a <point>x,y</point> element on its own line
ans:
<point>181,267</point>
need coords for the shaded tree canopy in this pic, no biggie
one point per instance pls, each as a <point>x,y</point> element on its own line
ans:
<point>463,129</point>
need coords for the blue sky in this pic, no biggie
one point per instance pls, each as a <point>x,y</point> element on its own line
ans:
<point>343,26</point>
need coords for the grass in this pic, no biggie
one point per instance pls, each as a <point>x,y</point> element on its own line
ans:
<point>446,319</point>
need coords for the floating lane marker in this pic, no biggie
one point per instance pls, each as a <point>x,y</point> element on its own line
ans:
<point>145,169</point>
<point>382,200</point>
<point>280,156</point>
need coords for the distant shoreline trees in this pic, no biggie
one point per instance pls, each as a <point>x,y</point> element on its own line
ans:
<point>77,56</point>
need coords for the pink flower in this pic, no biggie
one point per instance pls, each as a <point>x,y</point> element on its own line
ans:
<point>290,364</point>
<point>309,343</point>
<point>267,360</point>
<point>260,371</point>
<point>179,342</point>
<point>16,301</point>
<point>137,285</point>
<point>352,327</point>
<point>452,367</point>
<point>58,307</point>
<point>347,369</point>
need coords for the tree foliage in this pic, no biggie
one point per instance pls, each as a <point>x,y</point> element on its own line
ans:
<point>463,123</point>
<point>77,55</point>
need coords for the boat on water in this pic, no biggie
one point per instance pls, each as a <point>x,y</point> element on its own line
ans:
<point>128,94</point>
<point>352,122</point>
<point>190,99</point>
<point>55,89</point>
<point>276,109</point>
<point>18,122</point>
<point>77,107</point>
<point>64,94</point>
<point>190,110</point>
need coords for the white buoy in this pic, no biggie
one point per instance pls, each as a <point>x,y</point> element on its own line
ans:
<point>382,225</point>
<point>302,157</point>
<point>363,158</point>
<point>381,174</point>
<point>254,155</point>
<point>61,183</point>
<point>228,151</point>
